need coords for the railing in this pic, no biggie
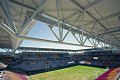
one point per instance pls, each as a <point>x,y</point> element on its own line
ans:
<point>102,74</point>
<point>117,77</point>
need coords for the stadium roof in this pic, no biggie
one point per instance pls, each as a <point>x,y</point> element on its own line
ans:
<point>95,19</point>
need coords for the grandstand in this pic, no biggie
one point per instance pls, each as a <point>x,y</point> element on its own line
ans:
<point>65,36</point>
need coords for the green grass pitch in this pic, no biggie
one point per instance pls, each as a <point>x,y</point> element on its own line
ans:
<point>71,73</point>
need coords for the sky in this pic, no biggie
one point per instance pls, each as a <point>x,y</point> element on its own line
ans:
<point>42,31</point>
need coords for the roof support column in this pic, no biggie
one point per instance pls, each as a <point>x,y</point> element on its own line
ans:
<point>82,29</point>
<point>59,13</point>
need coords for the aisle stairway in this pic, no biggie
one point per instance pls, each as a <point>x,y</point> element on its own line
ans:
<point>111,74</point>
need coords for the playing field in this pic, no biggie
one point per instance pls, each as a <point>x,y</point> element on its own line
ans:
<point>71,73</point>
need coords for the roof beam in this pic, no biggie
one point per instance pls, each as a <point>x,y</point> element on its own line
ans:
<point>88,6</point>
<point>11,32</point>
<point>112,30</point>
<point>66,27</point>
<point>39,9</point>
<point>70,16</point>
<point>92,5</point>
<point>50,41</point>
<point>104,18</point>
<point>48,20</point>
<point>82,9</point>
<point>7,29</point>
<point>20,4</point>
<point>7,14</point>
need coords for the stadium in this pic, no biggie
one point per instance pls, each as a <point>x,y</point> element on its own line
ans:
<point>59,39</point>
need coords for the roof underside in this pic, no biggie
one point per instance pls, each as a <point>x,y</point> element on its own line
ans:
<point>102,17</point>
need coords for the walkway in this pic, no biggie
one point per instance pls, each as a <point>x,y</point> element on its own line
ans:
<point>15,75</point>
<point>111,74</point>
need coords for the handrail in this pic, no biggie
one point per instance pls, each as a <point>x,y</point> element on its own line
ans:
<point>117,77</point>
